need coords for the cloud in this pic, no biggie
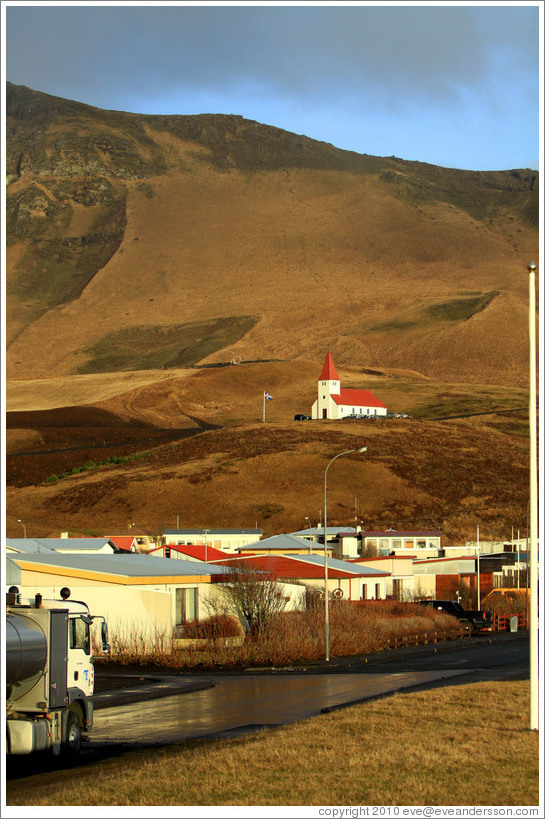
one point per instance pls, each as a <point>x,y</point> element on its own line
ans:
<point>425,50</point>
<point>292,66</point>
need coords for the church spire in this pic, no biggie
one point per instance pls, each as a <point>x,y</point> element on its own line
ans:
<point>329,373</point>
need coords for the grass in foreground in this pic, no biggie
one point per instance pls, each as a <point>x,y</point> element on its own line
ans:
<point>460,745</point>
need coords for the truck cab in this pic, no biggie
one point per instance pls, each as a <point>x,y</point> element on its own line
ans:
<point>49,673</point>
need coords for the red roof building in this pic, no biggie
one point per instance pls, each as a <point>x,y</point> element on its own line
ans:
<point>347,583</point>
<point>334,402</point>
<point>197,551</point>
<point>125,543</point>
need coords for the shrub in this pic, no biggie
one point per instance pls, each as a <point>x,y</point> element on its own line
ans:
<point>290,636</point>
<point>220,625</point>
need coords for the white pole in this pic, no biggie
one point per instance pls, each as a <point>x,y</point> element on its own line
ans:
<point>478,571</point>
<point>326,576</point>
<point>263,407</point>
<point>534,559</point>
<point>518,559</point>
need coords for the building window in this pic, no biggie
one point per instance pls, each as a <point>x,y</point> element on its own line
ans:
<point>421,544</point>
<point>396,544</point>
<point>187,605</point>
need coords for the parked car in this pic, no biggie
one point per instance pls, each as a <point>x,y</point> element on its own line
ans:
<point>301,417</point>
<point>478,620</point>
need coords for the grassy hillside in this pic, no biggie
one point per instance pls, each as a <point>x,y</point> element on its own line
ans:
<point>144,241</point>
<point>452,475</point>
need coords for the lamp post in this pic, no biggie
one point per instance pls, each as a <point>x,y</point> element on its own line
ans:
<point>346,452</point>
<point>310,538</point>
<point>534,560</point>
<point>22,524</point>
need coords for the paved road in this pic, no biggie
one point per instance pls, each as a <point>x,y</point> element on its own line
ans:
<point>150,709</point>
<point>227,704</point>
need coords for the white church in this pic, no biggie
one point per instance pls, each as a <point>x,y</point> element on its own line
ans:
<point>336,403</point>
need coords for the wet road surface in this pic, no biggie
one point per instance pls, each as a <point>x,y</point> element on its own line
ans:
<point>230,704</point>
<point>138,708</point>
<point>240,703</point>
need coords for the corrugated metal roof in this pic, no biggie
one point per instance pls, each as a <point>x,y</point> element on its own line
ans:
<point>342,565</point>
<point>90,544</point>
<point>276,542</point>
<point>198,551</point>
<point>290,566</point>
<point>25,545</point>
<point>124,542</point>
<point>121,565</point>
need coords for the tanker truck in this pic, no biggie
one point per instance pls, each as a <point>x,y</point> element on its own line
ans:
<point>49,673</point>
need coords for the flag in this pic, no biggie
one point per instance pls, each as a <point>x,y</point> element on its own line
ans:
<point>268,395</point>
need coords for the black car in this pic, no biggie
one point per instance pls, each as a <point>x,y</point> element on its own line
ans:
<point>301,417</point>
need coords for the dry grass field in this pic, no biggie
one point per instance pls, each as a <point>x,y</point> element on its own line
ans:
<point>142,248</point>
<point>447,474</point>
<point>462,745</point>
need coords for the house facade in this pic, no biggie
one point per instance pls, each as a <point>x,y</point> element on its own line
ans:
<point>345,580</point>
<point>227,540</point>
<point>418,543</point>
<point>335,402</point>
<point>400,582</point>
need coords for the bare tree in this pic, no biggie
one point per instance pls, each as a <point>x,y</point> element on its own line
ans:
<point>254,595</point>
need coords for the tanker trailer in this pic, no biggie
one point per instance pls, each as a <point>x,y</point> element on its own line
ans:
<point>49,673</point>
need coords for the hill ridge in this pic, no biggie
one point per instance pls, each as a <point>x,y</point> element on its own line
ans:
<point>218,235</point>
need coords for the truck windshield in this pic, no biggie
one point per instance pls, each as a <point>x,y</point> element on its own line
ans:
<point>79,635</point>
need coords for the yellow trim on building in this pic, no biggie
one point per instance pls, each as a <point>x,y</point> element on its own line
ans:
<point>122,580</point>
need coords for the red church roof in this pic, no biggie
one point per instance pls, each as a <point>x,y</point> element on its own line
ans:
<point>329,373</point>
<point>357,398</point>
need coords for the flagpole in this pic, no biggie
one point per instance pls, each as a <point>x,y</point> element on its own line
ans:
<point>263,406</point>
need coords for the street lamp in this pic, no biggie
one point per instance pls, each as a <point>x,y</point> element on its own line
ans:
<point>310,538</point>
<point>347,452</point>
<point>534,656</point>
<point>22,524</point>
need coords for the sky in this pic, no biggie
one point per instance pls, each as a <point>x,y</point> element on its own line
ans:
<point>454,84</point>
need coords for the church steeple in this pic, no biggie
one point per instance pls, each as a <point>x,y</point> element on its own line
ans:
<point>329,373</point>
<point>329,385</point>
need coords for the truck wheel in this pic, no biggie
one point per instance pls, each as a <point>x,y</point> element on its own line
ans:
<point>72,742</point>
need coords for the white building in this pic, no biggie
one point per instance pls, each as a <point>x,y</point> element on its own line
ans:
<point>143,598</point>
<point>401,580</point>
<point>418,543</point>
<point>227,540</point>
<point>335,402</point>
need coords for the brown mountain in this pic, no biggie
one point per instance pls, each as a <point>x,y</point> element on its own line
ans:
<point>150,242</point>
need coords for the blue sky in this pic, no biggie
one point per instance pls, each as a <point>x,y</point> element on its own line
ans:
<point>455,85</point>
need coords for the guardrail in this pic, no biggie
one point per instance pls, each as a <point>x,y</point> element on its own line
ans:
<point>426,638</point>
<point>502,622</point>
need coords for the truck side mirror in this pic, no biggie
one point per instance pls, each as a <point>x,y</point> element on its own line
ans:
<point>104,637</point>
